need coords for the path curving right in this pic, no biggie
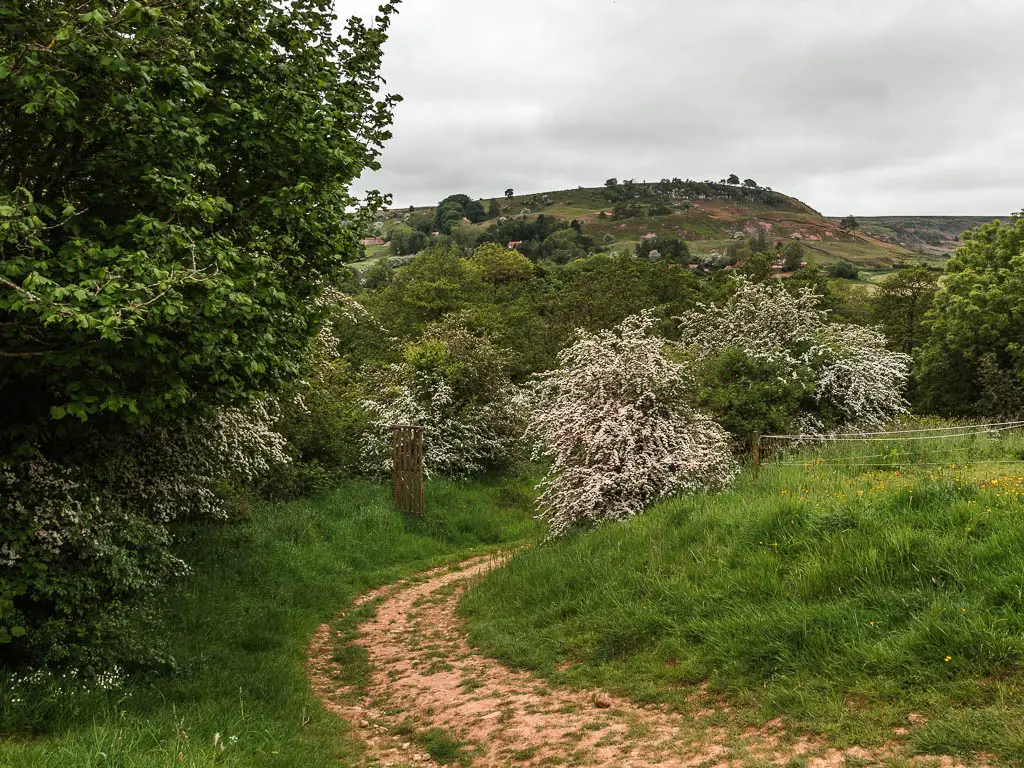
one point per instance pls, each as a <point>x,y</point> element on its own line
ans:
<point>425,676</point>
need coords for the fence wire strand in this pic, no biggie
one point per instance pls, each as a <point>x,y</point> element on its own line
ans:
<point>903,436</point>
<point>984,429</point>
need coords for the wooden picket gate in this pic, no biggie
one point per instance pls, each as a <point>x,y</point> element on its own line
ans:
<point>407,472</point>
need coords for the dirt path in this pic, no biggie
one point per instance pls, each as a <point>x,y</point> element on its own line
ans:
<point>430,693</point>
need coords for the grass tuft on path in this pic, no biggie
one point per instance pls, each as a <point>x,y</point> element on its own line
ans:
<point>849,601</point>
<point>239,626</point>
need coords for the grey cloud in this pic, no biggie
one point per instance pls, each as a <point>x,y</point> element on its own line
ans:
<point>894,106</point>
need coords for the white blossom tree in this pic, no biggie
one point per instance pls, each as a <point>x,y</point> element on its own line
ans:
<point>614,417</point>
<point>856,380</point>
<point>456,386</point>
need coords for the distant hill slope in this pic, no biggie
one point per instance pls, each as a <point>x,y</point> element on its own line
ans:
<point>710,216</point>
<point>930,235</point>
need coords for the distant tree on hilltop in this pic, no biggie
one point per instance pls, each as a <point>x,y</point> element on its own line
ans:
<point>850,223</point>
<point>733,179</point>
<point>509,192</point>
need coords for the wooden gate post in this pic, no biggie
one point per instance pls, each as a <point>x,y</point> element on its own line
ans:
<point>407,468</point>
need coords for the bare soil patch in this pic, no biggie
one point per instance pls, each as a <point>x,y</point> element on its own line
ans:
<point>433,700</point>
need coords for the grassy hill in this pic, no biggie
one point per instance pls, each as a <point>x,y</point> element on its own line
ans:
<point>873,600</point>
<point>934,236</point>
<point>712,216</point>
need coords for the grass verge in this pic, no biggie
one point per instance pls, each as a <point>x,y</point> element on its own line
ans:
<point>869,604</point>
<point>239,626</point>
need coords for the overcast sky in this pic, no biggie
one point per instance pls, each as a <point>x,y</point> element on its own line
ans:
<point>866,106</point>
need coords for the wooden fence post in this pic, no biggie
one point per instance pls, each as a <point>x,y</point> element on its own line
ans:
<point>755,451</point>
<point>407,468</point>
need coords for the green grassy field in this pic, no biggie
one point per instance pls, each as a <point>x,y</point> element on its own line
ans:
<point>849,599</point>
<point>239,626</point>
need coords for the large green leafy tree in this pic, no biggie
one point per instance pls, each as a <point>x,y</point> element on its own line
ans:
<point>174,180</point>
<point>976,323</point>
<point>900,305</point>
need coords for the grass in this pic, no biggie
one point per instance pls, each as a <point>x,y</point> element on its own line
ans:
<point>850,600</point>
<point>239,626</point>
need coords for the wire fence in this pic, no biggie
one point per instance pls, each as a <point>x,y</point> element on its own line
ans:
<point>986,443</point>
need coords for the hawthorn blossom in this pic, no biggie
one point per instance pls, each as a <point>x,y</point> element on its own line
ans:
<point>858,375</point>
<point>455,385</point>
<point>857,379</point>
<point>615,419</point>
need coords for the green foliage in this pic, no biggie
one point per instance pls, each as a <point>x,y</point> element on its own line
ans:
<point>500,266</point>
<point>453,209</point>
<point>562,247</point>
<point>75,559</point>
<point>455,384</point>
<point>173,193</point>
<point>901,303</point>
<point>240,623</point>
<point>464,237</point>
<point>844,270</point>
<point>83,547</point>
<point>670,248</point>
<point>406,241</point>
<point>378,275</point>
<point>532,313</point>
<point>748,396</point>
<point>759,243</point>
<point>625,210</point>
<point>530,234</point>
<point>323,421</point>
<point>975,315</point>
<point>849,223</point>
<point>814,277</point>
<point>790,596</point>
<point>757,266</point>
<point>436,282</point>
<point>792,256</point>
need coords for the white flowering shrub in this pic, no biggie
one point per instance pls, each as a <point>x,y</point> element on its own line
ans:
<point>84,540</point>
<point>454,384</point>
<point>840,375</point>
<point>615,419</point>
<point>762,319</point>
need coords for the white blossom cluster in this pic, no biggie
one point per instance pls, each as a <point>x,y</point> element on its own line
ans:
<point>764,320</point>
<point>855,375</point>
<point>62,684</point>
<point>858,376</point>
<point>615,419</point>
<point>117,509</point>
<point>175,473</point>
<point>472,415</point>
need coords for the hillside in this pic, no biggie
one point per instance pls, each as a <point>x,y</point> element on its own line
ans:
<point>711,216</point>
<point>933,236</point>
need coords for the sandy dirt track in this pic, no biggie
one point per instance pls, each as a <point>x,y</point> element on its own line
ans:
<point>425,676</point>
